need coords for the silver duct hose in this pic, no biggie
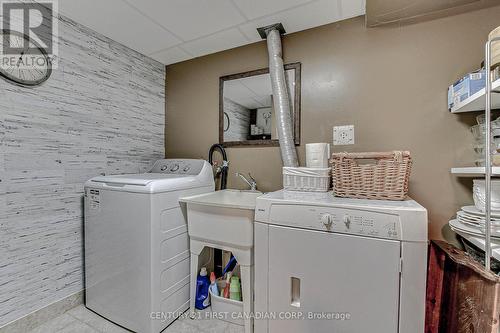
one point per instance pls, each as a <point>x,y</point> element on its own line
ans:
<point>281,99</point>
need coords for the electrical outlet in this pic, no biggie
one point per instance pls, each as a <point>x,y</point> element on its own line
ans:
<point>343,135</point>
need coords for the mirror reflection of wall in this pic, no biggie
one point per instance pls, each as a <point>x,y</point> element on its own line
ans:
<point>247,106</point>
<point>237,121</point>
<point>263,120</point>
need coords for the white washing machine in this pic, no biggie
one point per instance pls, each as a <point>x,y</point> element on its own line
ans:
<point>339,265</point>
<point>136,243</point>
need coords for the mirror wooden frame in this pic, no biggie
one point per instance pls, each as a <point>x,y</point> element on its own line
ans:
<point>260,143</point>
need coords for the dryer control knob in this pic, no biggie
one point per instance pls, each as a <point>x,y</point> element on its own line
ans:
<point>174,168</point>
<point>347,221</point>
<point>327,220</point>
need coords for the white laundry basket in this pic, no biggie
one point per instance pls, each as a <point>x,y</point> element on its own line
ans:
<point>227,309</point>
<point>306,179</point>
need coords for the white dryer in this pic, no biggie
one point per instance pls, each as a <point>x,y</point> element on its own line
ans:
<point>136,243</point>
<point>339,265</point>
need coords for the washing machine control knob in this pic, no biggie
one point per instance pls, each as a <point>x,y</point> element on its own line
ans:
<point>164,167</point>
<point>174,168</point>
<point>347,221</point>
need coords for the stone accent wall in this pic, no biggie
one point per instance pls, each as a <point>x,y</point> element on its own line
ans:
<point>101,112</point>
<point>239,121</point>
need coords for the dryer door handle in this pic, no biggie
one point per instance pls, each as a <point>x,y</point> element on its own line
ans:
<point>295,292</point>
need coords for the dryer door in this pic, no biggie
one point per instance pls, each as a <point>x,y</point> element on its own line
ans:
<point>332,282</point>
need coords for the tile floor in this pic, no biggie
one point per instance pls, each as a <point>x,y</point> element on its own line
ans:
<point>82,320</point>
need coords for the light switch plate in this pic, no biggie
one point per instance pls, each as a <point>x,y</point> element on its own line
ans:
<point>343,135</point>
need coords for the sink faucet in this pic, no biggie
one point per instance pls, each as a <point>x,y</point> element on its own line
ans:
<point>252,183</point>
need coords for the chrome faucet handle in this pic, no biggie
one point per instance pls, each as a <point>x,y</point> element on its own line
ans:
<point>251,178</point>
<point>242,177</point>
<point>251,183</point>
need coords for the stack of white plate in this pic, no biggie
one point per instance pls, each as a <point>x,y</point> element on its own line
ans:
<point>471,220</point>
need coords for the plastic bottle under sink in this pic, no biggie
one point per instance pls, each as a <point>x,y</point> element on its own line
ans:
<point>202,285</point>
<point>213,284</point>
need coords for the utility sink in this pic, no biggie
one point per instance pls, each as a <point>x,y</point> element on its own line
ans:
<point>223,220</point>
<point>224,217</point>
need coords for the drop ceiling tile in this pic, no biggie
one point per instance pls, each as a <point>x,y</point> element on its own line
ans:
<point>258,8</point>
<point>223,40</point>
<point>120,22</point>
<point>311,15</point>
<point>176,30</point>
<point>170,56</point>
<point>267,101</point>
<point>191,19</point>
<point>235,91</point>
<point>259,102</point>
<point>260,85</point>
<point>352,8</point>
<point>251,104</point>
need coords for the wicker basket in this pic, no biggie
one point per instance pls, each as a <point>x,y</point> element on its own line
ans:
<point>387,179</point>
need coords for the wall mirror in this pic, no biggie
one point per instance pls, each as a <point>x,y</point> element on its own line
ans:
<point>246,113</point>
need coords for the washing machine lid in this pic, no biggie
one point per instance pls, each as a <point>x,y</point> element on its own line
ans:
<point>148,182</point>
<point>166,175</point>
<point>142,179</point>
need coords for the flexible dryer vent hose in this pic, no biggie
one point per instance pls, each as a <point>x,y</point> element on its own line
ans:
<point>281,99</point>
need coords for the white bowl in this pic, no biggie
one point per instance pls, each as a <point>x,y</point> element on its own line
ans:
<point>478,194</point>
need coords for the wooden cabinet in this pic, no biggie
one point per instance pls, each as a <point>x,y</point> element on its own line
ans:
<point>462,297</point>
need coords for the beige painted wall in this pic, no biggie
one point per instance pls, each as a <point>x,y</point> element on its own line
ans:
<point>390,82</point>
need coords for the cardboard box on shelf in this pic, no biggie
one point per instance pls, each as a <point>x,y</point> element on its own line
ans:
<point>466,87</point>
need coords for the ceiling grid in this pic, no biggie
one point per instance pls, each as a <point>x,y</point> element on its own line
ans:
<point>176,30</point>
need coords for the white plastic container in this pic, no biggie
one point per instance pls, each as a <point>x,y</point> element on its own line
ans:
<point>478,194</point>
<point>226,309</point>
<point>306,179</point>
<point>317,155</point>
